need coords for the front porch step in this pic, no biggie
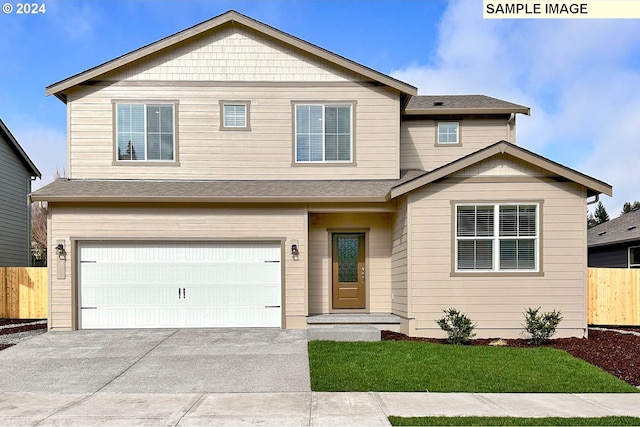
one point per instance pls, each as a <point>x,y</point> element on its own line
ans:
<point>344,333</point>
<point>353,319</point>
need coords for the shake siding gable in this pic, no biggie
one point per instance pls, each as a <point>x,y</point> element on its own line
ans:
<point>496,301</point>
<point>231,53</point>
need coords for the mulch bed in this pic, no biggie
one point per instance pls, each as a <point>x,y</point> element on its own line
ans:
<point>22,325</point>
<point>614,352</point>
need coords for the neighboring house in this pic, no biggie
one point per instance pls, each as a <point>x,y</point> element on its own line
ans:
<point>616,243</point>
<point>234,175</point>
<point>16,173</point>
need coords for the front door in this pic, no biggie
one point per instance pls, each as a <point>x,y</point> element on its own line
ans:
<point>348,270</point>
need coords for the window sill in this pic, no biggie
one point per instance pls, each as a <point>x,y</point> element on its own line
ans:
<point>140,163</point>
<point>324,164</point>
<point>497,274</point>
<point>239,129</point>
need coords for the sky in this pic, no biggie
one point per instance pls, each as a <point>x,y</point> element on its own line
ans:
<point>581,78</point>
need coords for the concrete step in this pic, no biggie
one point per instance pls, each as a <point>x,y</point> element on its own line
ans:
<point>344,333</point>
<point>351,319</point>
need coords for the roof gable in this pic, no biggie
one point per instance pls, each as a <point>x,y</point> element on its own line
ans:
<point>229,18</point>
<point>593,185</point>
<point>6,135</point>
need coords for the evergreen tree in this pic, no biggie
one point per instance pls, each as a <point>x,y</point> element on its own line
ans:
<point>600,214</point>
<point>630,207</point>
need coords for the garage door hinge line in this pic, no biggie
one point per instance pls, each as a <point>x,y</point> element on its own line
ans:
<point>136,362</point>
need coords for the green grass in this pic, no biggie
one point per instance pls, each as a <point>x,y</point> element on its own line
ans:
<point>512,421</point>
<point>420,366</point>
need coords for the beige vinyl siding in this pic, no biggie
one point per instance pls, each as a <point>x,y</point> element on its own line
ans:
<point>378,285</point>
<point>399,270</point>
<point>496,302</point>
<point>418,149</point>
<point>233,63</point>
<point>205,152</point>
<point>169,223</point>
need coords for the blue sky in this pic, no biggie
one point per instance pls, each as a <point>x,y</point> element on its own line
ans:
<point>581,78</point>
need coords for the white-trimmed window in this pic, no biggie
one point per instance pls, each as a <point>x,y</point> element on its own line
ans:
<point>234,115</point>
<point>634,257</point>
<point>145,132</point>
<point>448,133</point>
<point>497,237</point>
<point>323,133</point>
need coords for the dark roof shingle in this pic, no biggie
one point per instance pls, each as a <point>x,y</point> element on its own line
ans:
<point>618,230</point>
<point>447,104</point>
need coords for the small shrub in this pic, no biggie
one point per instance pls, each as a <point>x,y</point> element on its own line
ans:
<point>457,325</point>
<point>541,326</point>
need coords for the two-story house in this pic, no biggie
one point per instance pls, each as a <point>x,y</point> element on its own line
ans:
<point>17,171</point>
<point>234,175</point>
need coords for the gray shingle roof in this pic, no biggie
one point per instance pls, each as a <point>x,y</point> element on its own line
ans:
<point>622,229</point>
<point>230,191</point>
<point>446,104</point>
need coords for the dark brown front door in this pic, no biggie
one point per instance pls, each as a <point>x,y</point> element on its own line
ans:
<point>348,270</point>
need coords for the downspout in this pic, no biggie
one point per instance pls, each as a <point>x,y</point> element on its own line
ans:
<point>586,303</point>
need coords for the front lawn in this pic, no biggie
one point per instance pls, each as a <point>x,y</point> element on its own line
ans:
<point>512,421</point>
<point>422,366</point>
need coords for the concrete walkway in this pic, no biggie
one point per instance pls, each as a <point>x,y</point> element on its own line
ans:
<point>293,409</point>
<point>225,377</point>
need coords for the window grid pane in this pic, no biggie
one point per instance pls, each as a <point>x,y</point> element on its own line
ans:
<point>323,133</point>
<point>447,133</point>
<point>510,229</point>
<point>144,132</point>
<point>235,115</point>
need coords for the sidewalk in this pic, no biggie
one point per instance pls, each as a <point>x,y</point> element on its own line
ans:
<point>295,409</point>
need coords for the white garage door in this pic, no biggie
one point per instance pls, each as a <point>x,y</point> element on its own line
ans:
<point>166,285</point>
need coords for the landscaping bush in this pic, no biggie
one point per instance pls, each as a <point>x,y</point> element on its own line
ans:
<point>541,326</point>
<point>457,325</point>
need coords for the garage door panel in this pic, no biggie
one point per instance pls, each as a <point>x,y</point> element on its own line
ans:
<point>133,284</point>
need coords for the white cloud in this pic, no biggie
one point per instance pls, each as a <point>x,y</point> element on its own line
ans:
<point>578,76</point>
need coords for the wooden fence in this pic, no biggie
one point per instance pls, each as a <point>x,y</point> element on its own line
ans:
<point>613,296</point>
<point>24,292</point>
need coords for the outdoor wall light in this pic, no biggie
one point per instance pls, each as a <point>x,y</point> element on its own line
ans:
<point>60,249</point>
<point>294,250</point>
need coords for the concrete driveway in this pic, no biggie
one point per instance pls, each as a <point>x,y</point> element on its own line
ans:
<point>158,361</point>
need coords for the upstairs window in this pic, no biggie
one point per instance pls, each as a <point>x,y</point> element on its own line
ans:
<point>234,115</point>
<point>448,133</point>
<point>500,237</point>
<point>145,132</point>
<point>323,133</point>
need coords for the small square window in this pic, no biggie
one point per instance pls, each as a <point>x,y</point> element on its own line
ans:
<point>234,115</point>
<point>448,133</point>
